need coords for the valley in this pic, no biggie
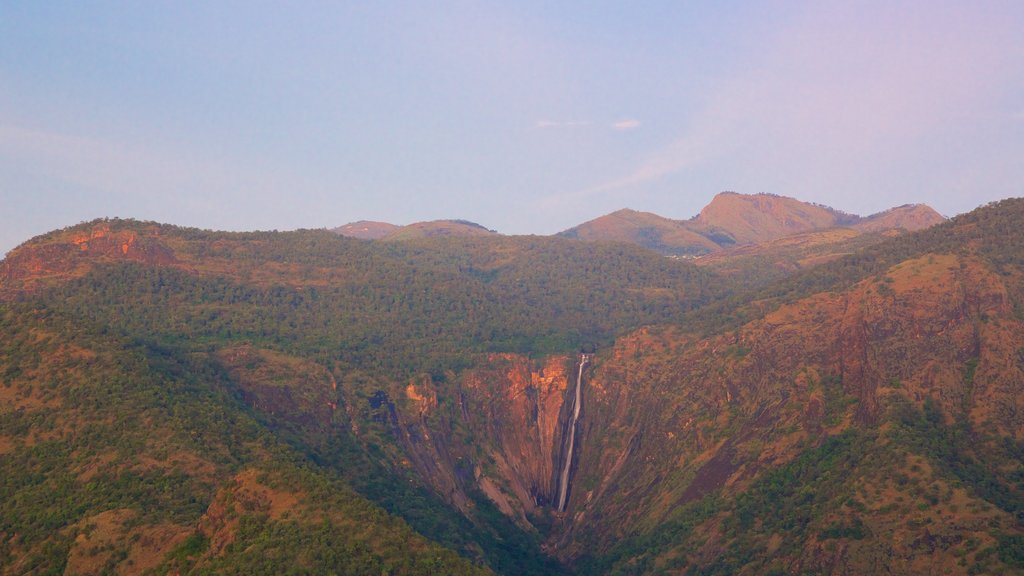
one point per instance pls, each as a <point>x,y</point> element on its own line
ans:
<point>816,393</point>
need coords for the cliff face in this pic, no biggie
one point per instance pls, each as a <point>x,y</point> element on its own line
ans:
<point>671,419</point>
<point>512,412</point>
<point>517,406</point>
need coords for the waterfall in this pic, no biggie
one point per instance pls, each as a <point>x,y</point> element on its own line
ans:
<point>563,482</point>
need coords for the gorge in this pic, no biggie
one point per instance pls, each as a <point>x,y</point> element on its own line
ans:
<point>197,401</point>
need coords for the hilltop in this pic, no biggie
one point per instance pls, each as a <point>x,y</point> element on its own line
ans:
<point>732,219</point>
<point>383,231</point>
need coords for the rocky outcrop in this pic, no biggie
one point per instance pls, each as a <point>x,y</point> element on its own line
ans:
<point>514,409</point>
<point>75,252</point>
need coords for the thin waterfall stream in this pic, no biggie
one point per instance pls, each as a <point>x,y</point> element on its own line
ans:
<point>563,481</point>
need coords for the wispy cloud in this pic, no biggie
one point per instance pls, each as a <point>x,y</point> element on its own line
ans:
<point>626,124</point>
<point>543,124</point>
<point>832,99</point>
<point>679,155</point>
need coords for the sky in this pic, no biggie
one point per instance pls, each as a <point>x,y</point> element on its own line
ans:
<point>526,117</point>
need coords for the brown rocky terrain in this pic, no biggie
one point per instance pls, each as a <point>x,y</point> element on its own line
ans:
<point>74,253</point>
<point>749,218</point>
<point>672,419</point>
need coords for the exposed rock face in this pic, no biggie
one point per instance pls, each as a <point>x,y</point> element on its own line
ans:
<point>520,407</point>
<point>675,416</point>
<point>74,254</point>
<point>670,418</point>
<point>660,401</point>
<point>513,408</point>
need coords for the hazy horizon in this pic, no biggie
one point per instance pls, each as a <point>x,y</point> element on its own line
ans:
<point>528,118</point>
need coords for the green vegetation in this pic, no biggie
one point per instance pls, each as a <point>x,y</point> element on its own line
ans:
<point>955,451</point>
<point>121,413</point>
<point>107,425</point>
<point>394,309</point>
<point>991,233</point>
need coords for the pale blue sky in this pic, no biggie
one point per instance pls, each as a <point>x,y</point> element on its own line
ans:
<point>527,117</point>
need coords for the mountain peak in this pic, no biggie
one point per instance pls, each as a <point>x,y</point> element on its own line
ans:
<point>759,217</point>
<point>735,219</point>
<point>646,229</point>
<point>909,217</point>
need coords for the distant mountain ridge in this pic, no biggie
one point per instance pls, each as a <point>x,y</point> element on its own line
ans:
<point>729,220</point>
<point>366,230</point>
<point>369,230</point>
<point>733,219</point>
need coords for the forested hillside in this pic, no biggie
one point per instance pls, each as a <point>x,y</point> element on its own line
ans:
<point>179,400</point>
<point>118,456</point>
<point>364,317</point>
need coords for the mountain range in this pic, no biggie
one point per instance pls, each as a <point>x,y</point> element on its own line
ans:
<point>816,393</point>
<point>730,220</point>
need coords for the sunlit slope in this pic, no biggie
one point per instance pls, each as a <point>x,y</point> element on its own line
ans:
<point>734,220</point>
<point>119,457</point>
